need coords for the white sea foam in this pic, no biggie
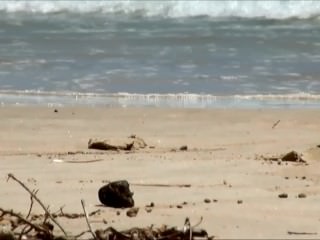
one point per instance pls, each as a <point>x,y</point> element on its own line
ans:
<point>155,99</point>
<point>276,9</point>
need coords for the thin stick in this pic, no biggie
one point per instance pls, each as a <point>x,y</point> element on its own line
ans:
<point>80,234</point>
<point>302,233</point>
<point>198,223</point>
<point>10,175</point>
<point>76,161</point>
<point>30,209</point>
<point>86,216</point>
<point>162,185</point>
<point>31,204</point>
<point>275,124</point>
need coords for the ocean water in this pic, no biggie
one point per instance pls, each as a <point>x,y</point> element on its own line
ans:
<point>168,53</point>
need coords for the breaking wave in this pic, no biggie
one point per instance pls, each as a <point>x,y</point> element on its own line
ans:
<point>275,9</point>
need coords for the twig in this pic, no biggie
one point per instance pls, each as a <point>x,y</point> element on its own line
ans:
<point>31,204</point>
<point>302,233</point>
<point>29,212</point>
<point>86,216</point>
<point>275,124</point>
<point>85,161</point>
<point>187,228</point>
<point>80,234</point>
<point>198,223</point>
<point>10,175</point>
<point>161,185</point>
<point>22,219</point>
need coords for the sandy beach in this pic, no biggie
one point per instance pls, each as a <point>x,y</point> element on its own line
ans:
<point>223,164</point>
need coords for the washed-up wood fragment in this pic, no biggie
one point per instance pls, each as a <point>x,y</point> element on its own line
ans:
<point>109,145</point>
<point>126,144</point>
<point>301,233</point>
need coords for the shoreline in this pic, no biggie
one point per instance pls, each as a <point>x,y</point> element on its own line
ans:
<point>300,100</point>
<point>222,163</point>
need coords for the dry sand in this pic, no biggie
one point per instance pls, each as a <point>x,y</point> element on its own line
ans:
<point>221,163</point>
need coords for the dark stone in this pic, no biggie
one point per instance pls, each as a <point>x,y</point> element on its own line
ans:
<point>283,195</point>
<point>148,209</point>
<point>56,110</point>
<point>292,156</point>
<point>150,205</point>
<point>207,200</point>
<point>132,212</point>
<point>302,195</point>
<point>116,194</point>
<point>239,201</point>
<point>184,148</point>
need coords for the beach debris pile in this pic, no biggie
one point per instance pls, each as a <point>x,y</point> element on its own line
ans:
<point>291,156</point>
<point>126,144</point>
<point>116,194</point>
<point>187,232</point>
<point>14,225</point>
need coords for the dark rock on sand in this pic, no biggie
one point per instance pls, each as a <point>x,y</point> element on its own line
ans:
<point>132,212</point>
<point>302,195</point>
<point>150,205</point>
<point>148,209</point>
<point>283,195</point>
<point>183,148</point>
<point>292,156</point>
<point>116,194</point>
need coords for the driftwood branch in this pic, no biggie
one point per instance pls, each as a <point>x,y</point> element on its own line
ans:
<point>86,216</point>
<point>10,175</point>
<point>301,233</point>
